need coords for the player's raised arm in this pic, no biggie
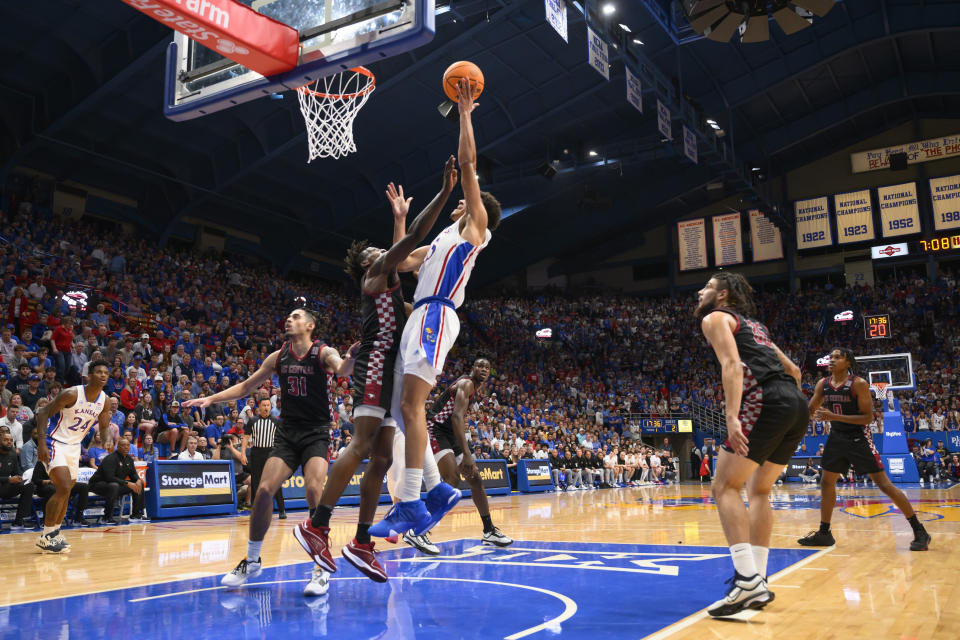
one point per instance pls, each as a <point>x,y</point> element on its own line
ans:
<point>241,389</point>
<point>400,206</point>
<point>338,365</point>
<point>475,231</point>
<point>421,224</point>
<point>63,400</point>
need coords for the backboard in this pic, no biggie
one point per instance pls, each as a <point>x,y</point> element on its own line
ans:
<point>334,35</point>
<point>894,369</point>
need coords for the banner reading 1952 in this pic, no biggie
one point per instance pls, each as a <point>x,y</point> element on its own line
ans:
<point>899,211</point>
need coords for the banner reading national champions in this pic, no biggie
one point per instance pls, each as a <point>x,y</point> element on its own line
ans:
<point>813,223</point>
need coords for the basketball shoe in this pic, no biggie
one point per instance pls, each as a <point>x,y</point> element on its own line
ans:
<point>921,540</point>
<point>365,560</point>
<point>315,541</point>
<point>402,517</point>
<point>818,538</point>
<point>319,582</point>
<point>421,543</point>
<point>244,571</point>
<point>439,501</point>
<point>53,542</point>
<point>744,593</point>
<point>496,538</point>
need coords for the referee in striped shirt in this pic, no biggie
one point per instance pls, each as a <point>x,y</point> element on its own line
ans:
<point>262,429</point>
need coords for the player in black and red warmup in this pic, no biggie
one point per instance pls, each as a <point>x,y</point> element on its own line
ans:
<point>307,369</point>
<point>849,409</point>
<point>766,415</point>
<point>448,439</point>
<point>384,316</point>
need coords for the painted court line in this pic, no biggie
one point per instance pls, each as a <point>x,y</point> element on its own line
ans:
<point>702,614</point>
<point>569,606</point>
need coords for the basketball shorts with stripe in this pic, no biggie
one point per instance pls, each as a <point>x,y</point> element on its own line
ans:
<point>774,417</point>
<point>63,455</point>
<point>845,448</point>
<point>442,439</point>
<point>373,383</point>
<point>428,337</point>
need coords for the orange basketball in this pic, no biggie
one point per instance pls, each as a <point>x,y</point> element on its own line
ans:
<point>462,69</point>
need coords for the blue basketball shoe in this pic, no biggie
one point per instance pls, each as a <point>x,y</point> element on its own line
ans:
<point>439,501</point>
<point>402,517</point>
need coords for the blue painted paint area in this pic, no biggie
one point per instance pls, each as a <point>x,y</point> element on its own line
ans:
<point>531,589</point>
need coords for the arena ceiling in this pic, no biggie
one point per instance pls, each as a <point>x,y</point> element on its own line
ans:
<point>82,85</point>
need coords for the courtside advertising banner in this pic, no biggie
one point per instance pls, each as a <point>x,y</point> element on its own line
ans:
<point>184,488</point>
<point>534,475</point>
<point>854,215</point>
<point>765,238</point>
<point>945,195</point>
<point>813,223</point>
<point>692,240</point>
<point>899,211</point>
<point>727,239</point>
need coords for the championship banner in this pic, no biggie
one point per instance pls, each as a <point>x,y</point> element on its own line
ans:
<point>692,241</point>
<point>184,488</point>
<point>813,223</point>
<point>922,151</point>
<point>945,195</point>
<point>854,215</point>
<point>727,239</point>
<point>689,144</point>
<point>556,11</point>
<point>764,238</point>
<point>663,120</point>
<point>899,212</point>
<point>634,90</point>
<point>597,53</point>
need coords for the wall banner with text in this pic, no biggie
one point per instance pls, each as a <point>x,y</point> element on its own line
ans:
<point>764,238</point>
<point>813,223</point>
<point>899,211</point>
<point>945,195</point>
<point>727,239</point>
<point>854,214</point>
<point>692,241</point>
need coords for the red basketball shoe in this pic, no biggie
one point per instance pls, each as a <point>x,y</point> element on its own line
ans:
<point>364,559</point>
<point>315,541</point>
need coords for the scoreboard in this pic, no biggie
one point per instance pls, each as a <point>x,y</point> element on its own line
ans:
<point>876,327</point>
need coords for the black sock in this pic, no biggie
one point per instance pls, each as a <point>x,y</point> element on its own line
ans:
<point>824,527</point>
<point>915,523</point>
<point>321,517</point>
<point>363,532</point>
<point>487,523</point>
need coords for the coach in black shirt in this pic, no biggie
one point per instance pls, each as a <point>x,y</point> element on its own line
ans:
<point>117,476</point>
<point>11,480</point>
<point>262,429</point>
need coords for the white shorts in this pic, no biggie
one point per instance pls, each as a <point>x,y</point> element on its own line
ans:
<point>366,410</point>
<point>428,337</point>
<point>64,455</point>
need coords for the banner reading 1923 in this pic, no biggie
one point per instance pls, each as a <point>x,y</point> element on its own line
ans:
<point>899,211</point>
<point>854,216</point>
<point>813,223</point>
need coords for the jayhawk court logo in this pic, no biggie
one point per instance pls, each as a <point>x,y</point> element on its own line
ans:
<point>428,335</point>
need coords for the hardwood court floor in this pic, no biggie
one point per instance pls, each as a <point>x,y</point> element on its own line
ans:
<point>868,586</point>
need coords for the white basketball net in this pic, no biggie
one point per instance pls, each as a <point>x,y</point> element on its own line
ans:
<point>329,106</point>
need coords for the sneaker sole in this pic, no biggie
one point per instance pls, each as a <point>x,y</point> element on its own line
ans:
<point>925,547</point>
<point>363,567</point>
<point>308,593</point>
<point>320,560</point>
<point>491,543</point>
<point>250,576</point>
<point>53,551</point>
<point>753,602</point>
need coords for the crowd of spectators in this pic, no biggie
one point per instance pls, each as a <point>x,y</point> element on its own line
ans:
<point>179,323</point>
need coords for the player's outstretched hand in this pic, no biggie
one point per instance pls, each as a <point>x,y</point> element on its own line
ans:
<point>465,96</point>
<point>450,175</point>
<point>399,204</point>
<point>736,436</point>
<point>353,350</point>
<point>202,403</point>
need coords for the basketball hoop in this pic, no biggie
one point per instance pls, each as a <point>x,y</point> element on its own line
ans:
<point>878,389</point>
<point>329,106</point>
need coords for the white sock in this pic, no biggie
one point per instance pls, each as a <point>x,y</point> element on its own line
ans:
<point>743,559</point>
<point>253,550</point>
<point>48,530</point>
<point>410,489</point>
<point>760,559</point>
<point>431,474</point>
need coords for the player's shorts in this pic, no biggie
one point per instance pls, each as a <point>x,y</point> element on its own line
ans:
<point>63,455</point>
<point>372,384</point>
<point>295,446</point>
<point>844,448</point>
<point>774,418</point>
<point>443,441</point>
<point>428,336</point>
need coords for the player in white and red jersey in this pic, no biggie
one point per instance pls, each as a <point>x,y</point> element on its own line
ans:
<point>68,419</point>
<point>444,269</point>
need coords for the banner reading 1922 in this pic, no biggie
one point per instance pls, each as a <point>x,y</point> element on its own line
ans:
<point>854,215</point>
<point>813,223</point>
<point>899,211</point>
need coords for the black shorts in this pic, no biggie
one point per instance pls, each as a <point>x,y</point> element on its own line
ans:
<point>844,448</point>
<point>372,378</point>
<point>774,418</point>
<point>442,438</point>
<point>296,446</point>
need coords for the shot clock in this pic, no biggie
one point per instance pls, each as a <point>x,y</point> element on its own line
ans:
<point>875,327</point>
